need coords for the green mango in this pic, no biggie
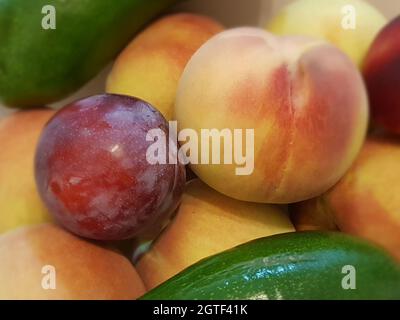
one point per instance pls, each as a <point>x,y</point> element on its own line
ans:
<point>40,65</point>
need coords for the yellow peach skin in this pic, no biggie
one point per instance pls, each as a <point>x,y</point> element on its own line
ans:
<point>312,214</point>
<point>19,201</point>
<point>207,223</point>
<point>304,99</point>
<point>332,20</point>
<point>37,257</point>
<point>366,201</point>
<point>150,67</point>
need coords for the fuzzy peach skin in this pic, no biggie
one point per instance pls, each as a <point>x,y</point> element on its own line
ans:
<point>82,270</point>
<point>366,201</point>
<point>382,75</point>
<point>19,201</point>
<point>329,20</point>
<point>207,223</point>
<point>304,99</point>
<point>312,214</point>
<point>150,67</point>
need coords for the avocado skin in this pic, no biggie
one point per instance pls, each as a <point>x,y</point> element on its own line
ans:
<point>40,66</point>
<point>292,266</point>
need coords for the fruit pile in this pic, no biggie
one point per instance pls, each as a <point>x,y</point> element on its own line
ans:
<point>240,163</point>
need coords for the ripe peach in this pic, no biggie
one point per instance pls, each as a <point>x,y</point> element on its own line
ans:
<point>46,262</point>
<point>382,75</point>
<point>304,99</point>
<point>366,201</point>
<point>351,25</point>
<point>150,67</point>
<point>20,203</point>
<point>206,223</point>
<point>312,214</point>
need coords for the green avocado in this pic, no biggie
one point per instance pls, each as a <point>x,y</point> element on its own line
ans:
<point>40,64</point>
<point>304,265</point>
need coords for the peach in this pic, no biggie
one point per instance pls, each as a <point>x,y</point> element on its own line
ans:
<point>382,75</point>
<point>351,25</point>
<point>19,201</point>
<point>304,99</point>
<point>150,67</point>
<point>207,223</point>
<point>46,262</point>
<point>312,214</point>
<point>366,201</point>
